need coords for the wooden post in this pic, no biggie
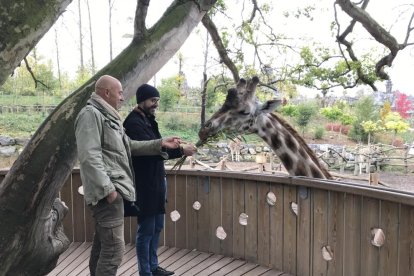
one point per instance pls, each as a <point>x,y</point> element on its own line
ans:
<point>406,159</point>
<point>373,178</point>
<point>261,160</point>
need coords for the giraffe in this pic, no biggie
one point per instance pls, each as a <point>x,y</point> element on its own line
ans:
<point>242,113</point>
<point>235,146</point>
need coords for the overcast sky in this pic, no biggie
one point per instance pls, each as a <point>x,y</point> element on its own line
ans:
<point>124,11</point>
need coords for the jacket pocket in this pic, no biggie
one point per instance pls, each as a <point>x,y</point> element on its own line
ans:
<point>112,137</point>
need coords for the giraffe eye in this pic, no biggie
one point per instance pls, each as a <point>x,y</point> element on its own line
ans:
<point>207,125</point>
<point>245,113</point>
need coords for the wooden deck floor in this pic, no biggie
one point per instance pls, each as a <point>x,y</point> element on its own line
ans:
<point>74,261</point>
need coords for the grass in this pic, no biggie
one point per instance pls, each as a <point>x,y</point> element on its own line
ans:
<point>10,100</point>
<point>20,125</point>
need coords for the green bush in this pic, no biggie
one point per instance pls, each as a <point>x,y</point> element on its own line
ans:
<point>319,132</point>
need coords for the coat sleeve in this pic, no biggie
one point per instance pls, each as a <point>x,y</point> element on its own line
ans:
<point>141,144</point>
<point>151,147</point>
<point>88,130</point>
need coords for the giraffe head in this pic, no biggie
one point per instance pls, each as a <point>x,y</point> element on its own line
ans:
<point>239,112</point>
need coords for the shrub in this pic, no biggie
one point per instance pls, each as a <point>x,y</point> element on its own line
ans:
<point>319,132</point>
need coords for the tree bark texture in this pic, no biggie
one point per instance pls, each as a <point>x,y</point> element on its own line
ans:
<point>31,236</point>
<point>22,24</point>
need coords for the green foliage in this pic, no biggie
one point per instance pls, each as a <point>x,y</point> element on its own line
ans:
<point>20,125</point>
<point>289,110</point>
<point>371,127</point>
<point>169,93</point>
<point>184,125</point>
<point>395,123</point>
<point>305,113</point>
<point>332,113</point>
<point>319,132</point>
<point>215,95</point>
<point>320,68</point>
<point>364,110</point>
<point>347,119</point>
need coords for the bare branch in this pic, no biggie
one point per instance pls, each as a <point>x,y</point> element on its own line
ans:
<point>33,75</point>
<point>212,30</point>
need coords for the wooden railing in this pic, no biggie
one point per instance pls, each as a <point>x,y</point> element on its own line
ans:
<point>315,227</point>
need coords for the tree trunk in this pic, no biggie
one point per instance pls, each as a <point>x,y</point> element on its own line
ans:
<point>23,23</point>
<point>31,236</point>
<point>110,29</point>
<point>82,65</point>
<point>93,69</point>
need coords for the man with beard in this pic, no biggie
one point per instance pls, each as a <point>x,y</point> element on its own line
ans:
<point>150,181</point>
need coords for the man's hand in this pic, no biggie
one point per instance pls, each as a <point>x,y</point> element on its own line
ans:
<point>189,150</point>
<point>112,196</point>
<point>171,142</point>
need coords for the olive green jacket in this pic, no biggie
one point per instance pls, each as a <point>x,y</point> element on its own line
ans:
<point>104,153</point>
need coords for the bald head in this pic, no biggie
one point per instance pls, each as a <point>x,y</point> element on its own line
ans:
<point>110,89</point>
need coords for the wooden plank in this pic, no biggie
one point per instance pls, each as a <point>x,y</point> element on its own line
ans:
<point>229,268</point>
<point>216,266</point>
<point>132,270</point>
<point>181,207</point>
<point>406,242</point>
<point>228,216</point>
<point>304,231</point>
<point>192,234</point>
<point>389,251</point>
<point>78,211</point>
<point>173,258</point>
<point>127,230</point>
<point>84,247</point>
<point>215,203</point>
<point>352,237</point>
<point>259,270</point>
<point>263,225</point>
<point>78,262</point>
<point>320,231</point>
<point>276,227</point>
<point>336,232</point>
<point>204,215</point>
<point>370,214</point>
<point>169,227</point>
<point>289,230</point>
<point>68,251</point>
<point>194,262</point>
<point>251,227</point>
<point>243,269</point>
<point>184,260</point>
<point>238,230</point>
<point>66,196</point>
<point>83,264</point>
<point>203,265</point>
<point>274,273</point>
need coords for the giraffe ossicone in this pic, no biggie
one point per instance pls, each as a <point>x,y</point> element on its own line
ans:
<point>242,113</point>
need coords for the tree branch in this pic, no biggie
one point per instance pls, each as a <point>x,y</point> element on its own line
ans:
<point>33,75</point>
<point>212,30</point>
<point>140,17</point>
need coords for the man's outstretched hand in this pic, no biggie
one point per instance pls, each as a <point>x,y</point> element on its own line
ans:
<point>171,142</point>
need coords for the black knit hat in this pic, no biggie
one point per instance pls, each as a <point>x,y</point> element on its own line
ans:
<point>145,92</point>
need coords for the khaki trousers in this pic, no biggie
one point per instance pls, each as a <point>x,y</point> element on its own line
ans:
<point>108,242</point>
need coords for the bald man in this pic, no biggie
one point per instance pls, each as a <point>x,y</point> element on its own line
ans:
<point>104,152</point>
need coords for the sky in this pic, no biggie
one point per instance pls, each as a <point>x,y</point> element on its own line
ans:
<point>124,10</point>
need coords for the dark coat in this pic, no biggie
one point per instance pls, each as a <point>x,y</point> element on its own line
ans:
<point>149,170</point>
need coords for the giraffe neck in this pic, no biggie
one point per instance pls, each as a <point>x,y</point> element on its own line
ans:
<point>289,146</point>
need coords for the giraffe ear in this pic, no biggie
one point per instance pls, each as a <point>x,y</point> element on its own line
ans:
<point>271,105</point>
